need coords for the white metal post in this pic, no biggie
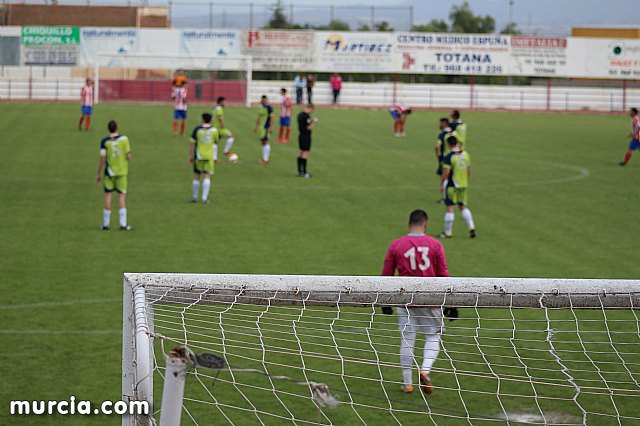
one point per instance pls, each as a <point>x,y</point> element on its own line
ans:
<point>137,371</point>
<point>96,88</point>
<point>249,80</point>
<point>173,389</point>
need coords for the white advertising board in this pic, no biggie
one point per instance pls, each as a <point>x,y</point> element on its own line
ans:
<point>354,52</point>
<point>465,54</point>
<point>280,50</point>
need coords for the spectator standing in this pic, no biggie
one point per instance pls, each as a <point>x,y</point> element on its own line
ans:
<point>336,86</point>
<point>300,82</point>
<point>311,80</point>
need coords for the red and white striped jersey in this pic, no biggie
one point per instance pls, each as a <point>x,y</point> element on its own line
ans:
<point>286,106</point>
<point>86,95</point>
<point>635,128</point>
<point>398,107</point>
<point>179,96</point>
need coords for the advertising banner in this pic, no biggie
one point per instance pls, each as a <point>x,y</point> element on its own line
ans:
<point>106,40</point>
<point>210,43</point>
<point>49,45</point>
<point>280,50</point>
<point>355,51</point>
<point>49,55</point>
<point>457,54</point>
<point>606,58</point>
<point>50,36</point>
<point>539,56</point>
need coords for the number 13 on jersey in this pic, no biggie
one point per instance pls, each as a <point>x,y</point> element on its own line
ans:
<point>422,262</point>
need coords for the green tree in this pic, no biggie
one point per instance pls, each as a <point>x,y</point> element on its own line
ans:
<point>464,21</point>
<point>364,27</point>
<point>335,25</point>
<point>511,28</point>
<point>382,26</point>
<point>435,26</point>
<point>278,19</point>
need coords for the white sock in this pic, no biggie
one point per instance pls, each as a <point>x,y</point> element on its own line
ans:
<point>215,152</point>
<point>431,351</point>
<point>106,217</point>
<point>408,340</point>
<point>206,185</point>
<point>227,146</point>
<point>266,150</point>
<point>196,188</point>
<point>468,217</point>
<point>448,222</point>
<point>123,217</point>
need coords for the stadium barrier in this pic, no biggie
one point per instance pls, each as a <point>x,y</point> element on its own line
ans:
<point>516,98</point>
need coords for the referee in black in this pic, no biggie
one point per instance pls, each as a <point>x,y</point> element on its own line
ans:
<point>305,126</point>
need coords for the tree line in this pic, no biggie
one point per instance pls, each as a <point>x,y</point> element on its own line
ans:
<point>461,20</point>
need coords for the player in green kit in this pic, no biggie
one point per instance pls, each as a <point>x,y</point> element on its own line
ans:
<point>459,128</point>
<point>115,153</point>
<point>456,170</point>
<point>263,128</point>
<point>223,131</point>
<point>203,139</point>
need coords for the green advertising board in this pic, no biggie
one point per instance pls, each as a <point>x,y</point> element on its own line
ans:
<point>50,36</point>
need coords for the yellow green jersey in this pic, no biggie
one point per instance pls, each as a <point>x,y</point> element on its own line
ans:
<point>204,136</point>
<point>458,162</point>
<point>115,149</point>
<point>218,113</point>
<point>265,114</point>
<point>460,131</point>
<point>443,137</point>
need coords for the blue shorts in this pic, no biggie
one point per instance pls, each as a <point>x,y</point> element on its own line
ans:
<point>634,145</point>
<point>86,110</point>
<point>394,114</point>
<point>180,114</point>
<point>285,121</point>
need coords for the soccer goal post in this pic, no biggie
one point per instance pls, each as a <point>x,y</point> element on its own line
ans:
<point>267,349</point>
<point>144,77</point>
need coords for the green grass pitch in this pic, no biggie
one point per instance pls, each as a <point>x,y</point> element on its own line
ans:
<point>546,193</point>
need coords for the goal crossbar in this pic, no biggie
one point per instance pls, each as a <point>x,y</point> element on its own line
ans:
<point>368,290</point>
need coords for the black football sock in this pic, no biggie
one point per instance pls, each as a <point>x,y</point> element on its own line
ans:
<point>304,165</point>
<point>299,165</point>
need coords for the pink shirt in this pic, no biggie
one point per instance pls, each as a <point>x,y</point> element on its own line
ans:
<point>416,255</point>
<point>286,106</point>
<point>635,128</point>
<point>336,82</point>
<point>86,94</point>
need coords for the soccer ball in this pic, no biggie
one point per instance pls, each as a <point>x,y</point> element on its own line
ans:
<point>233,158</point>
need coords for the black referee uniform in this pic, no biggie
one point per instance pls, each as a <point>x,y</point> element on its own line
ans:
<point>304,141</point>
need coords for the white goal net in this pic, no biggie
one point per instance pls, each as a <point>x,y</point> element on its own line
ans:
<point>147,77</point>
<point>267,350</point>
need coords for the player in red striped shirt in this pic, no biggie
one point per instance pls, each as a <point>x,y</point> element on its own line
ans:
<point>417,255</point>
<point>179,96</point>
<point>634,144</point>
<point>399,114</point>
<point>285,117</point>
<point>86,96</point>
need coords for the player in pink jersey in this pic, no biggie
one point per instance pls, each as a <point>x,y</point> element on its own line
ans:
<point>179,96</point>
<point>86,96</point>
<point>285,118</point>
<point>417,255</point>
<point>634,144</point>
<point>399,113</point>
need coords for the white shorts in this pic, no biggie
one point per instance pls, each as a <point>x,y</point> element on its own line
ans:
<point>425,320</point>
